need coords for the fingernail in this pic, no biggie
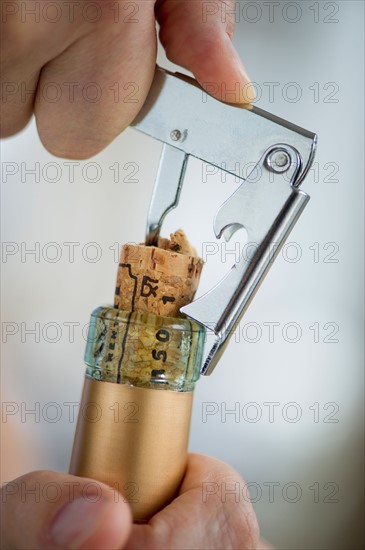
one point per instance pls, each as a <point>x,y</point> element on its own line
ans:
<point>76,522</point>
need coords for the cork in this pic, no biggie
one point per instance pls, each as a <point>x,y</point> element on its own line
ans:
<point>158,280</point>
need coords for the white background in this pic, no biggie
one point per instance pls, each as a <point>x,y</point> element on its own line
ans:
<point>306,453</point>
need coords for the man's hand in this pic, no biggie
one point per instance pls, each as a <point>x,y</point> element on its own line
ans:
<point>49,510</point>
<point>85,68</point>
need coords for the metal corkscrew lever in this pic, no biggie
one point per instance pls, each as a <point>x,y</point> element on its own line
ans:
<point>267,203</point>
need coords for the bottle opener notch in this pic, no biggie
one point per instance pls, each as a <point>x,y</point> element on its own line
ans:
<point>267,203</point>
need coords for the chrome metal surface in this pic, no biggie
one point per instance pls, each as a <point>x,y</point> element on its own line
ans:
<point>268,209</point>
<point>278,160</point>
<point>167,189</point>
<point>218,133</point>
<point>175,135</point>
<point>189,122</point>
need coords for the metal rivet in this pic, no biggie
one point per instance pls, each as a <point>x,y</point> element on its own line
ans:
<point>278,160</point>
<point>175,135</point>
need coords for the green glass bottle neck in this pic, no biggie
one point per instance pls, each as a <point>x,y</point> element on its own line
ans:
<point>144,350</point>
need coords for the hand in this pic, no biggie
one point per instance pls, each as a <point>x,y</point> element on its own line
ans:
<point>49,510</point>
<point>85,68</point>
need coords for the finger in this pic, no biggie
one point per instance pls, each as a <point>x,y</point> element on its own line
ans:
<point>203,515</point>
<point>197,35</point>
<point>30,38</point>
<point>264,545</point>
<point>49,510</point>
<point>17,102</point>
<point>102,81</point>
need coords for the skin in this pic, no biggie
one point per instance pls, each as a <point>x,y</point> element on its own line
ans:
<point>190,522</point>
<point>37,58</point>
<point>50,81</point>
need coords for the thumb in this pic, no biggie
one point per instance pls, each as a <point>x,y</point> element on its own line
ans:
<point>49,510</point>
<point>197,35</point>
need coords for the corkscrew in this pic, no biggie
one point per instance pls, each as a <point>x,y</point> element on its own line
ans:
<point>268,203</point>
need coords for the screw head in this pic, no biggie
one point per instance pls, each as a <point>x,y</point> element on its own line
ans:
<point>278,161</point>
<point>175,135</point>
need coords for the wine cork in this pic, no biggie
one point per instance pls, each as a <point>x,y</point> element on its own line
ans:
<point>158,280</point>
